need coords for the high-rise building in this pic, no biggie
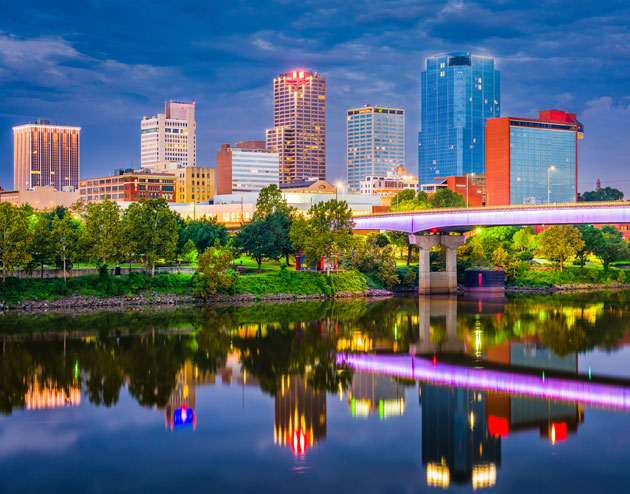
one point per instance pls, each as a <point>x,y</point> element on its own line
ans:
<point>45,155</point>
<point>169,136</point>
<point>376,142</point>
<point>531,161</point>
<point>247,167</point>
<point>390,184</point>
<point>299,125</point>
<point>460,92</point>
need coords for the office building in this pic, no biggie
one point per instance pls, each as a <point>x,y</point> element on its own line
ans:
<point>532,161</point>
<point>169,136</point>
<point>299,125</point>
<point>246,167</point>
<point>192,183</point>
<point>129,187</point>
<point>469,188</point>
<point>388,185</point>
<point>46,155</point>
<point>460,92</point>
<point>376,143</point>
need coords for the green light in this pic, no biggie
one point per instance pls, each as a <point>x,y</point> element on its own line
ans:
<point>76,369</point>
<point>589,372</point>
<point>543,376</point>
<point>395,331</point>
<point>381,409</point>
<point>354,407</point>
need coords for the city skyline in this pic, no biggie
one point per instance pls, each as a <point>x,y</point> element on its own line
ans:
<point>105,87</point>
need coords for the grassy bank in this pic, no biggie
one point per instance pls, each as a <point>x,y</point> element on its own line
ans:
<point>568,276</point>
<point>19,290</point>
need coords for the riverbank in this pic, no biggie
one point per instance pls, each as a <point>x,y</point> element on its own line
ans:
<point>573,287</point>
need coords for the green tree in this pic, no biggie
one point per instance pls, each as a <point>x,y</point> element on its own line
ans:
<point>104,236</point>
<point>189,252</point>
<point>446,198</point>
<point>64,241</point>
<point>612,247</point>
<point>524,239</point>
<point>378,262</point>
<point>204,232</point>
<point>152,230</point>
<point>15,238</point>
<point>271,202</point>
<point>559,243</point>
<point>260,239</point>
<point>500,257</point>
<point>593,239</point>
<point>327,230</point>
<point>604,194</point>
<point>408,202</point>
<point>214,268</point>
<point>41,248</point>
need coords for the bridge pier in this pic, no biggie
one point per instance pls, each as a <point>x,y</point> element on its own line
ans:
<point>437,282</point>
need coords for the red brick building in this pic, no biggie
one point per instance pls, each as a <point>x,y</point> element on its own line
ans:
<point>129,186</point>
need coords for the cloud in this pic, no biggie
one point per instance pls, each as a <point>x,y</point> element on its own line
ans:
<point>262,44</point>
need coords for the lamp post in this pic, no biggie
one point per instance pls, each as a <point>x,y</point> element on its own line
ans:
<point>549,170</point>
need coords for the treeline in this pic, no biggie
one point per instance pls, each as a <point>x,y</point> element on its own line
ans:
<point>102,234</point>
<point>514,248</point>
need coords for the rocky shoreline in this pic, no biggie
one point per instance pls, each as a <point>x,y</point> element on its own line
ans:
<point>82,303</point>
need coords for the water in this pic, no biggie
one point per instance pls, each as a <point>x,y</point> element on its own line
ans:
<point>401,395</point>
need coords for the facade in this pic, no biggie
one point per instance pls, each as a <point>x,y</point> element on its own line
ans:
<point>532,161</point>
<point>390,184</point>
<point>45,154</point>
<point>299,125</point>
<point>310,186</point>
<point>130,187</point>
<point>469,188</point>
<point>169,136</point>
<point>194,184</point>
<point>376,143</point>
<point>460,92</point>
<point>40,198</point>
<point>246,167</point>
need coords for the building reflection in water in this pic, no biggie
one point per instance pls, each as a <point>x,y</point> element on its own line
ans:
<point>299,415</point>
<point>48,395</point>
<point>376,393</point>
<point>456,443</point>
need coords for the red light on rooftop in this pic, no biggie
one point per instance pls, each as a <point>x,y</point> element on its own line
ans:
<point>497,426</point>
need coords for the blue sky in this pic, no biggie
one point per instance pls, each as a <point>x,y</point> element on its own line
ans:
<point>104,64</point>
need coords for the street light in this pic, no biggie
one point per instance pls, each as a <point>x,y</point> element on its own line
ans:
<point>549,170</point>
<point>339,185</point>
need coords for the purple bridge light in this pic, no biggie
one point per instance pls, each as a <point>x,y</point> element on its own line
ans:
<point>468,218</point>
<point>411,367</point>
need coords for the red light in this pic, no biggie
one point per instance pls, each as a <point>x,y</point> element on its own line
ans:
<point>434,360</point>
<point>479,282</point>
<point>559,431</point>
<point>497,426</point>
<point>434,230</point>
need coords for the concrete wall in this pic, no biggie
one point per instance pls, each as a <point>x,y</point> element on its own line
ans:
<point>73,273</point>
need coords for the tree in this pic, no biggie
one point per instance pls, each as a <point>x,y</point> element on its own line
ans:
<point>104,237</point>
<point>593,240</point>
<point>612,247</point>
<point>604,194</point>
<point>524,239</point>
<point>500,257</point>
<point>15,238</point>
<point>189,251</point>
<point>204,232</point>
<point>214,266</point>
<point>153,231</point>
<point>260,239</point>
<point>327,230</point>
<point>64,240</point>
<point>408,202</point>
<point>271,202</point>
<point>446,198</point>
<point>559,243</point>
<point>370,258</point>
<point>41,248</point>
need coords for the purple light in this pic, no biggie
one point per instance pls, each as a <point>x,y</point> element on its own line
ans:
<point>426,220</point>
<point>501,382</point>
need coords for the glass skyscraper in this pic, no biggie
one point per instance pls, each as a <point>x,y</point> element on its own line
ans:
<point>460,91</point>
<point>376,143</point>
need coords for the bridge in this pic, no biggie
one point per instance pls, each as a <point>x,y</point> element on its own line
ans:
<point>552,388</point>
<point>431,227</point>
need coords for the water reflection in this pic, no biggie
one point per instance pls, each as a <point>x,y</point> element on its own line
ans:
<point>485,369</point>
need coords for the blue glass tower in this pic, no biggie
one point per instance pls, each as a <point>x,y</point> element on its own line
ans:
<point>460,91</point>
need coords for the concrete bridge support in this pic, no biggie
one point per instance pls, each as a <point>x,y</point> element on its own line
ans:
<point>438,307</point>
<point>437,282</point>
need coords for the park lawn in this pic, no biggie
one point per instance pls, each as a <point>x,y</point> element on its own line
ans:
<point>249,264</point>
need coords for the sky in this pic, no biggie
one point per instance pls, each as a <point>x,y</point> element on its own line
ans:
<point>102,65</point>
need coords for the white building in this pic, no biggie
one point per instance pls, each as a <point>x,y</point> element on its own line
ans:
<point>388,185</point>
<point>247,167</point>
<point>169,136</point>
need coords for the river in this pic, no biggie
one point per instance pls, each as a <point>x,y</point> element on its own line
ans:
<point>520,394</point>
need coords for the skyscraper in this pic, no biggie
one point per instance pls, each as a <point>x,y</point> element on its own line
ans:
<point>246,167</point>
<point>376,143</point>
<point>532,161</point>
<point>45,154</point>
<point>299,125</point>
<point>169,136</point>
<point>460,91</point>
